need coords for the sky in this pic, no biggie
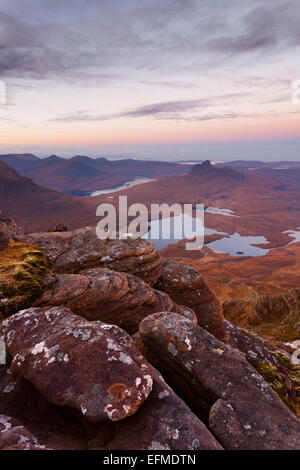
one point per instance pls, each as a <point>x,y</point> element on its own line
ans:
<point>158,79</point>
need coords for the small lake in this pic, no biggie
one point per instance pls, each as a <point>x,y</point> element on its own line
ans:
<point>184,227</point>
<point>294,234</point>
<point>237,245</point>
<point>127,185</point>
<point>217,211</point>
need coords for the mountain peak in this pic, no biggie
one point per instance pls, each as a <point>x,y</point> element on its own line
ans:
<point>206,164</point>
<point>207,170</point>
<point>199,167</point>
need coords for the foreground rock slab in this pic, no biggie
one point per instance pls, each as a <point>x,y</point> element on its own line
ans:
<point>109,296</point>
<point>75,363</point>
<point>81,249</point>
<point>244,412</point>
<point>162,422</point>
<point>186,286</point>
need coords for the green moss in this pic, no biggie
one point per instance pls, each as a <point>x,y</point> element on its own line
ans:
<point>294,374</point>
<point>22,276</point>
<point>292,369</point>
<point>276,381</point>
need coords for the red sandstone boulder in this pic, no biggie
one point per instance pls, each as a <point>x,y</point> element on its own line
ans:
<point>71,252</point>
<point>186,286</point>
<point>217,381</point>
<point>112,297</point>
<point>76,363</point>
<point>163,421</point>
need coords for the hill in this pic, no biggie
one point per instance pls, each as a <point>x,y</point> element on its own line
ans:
<point>37,208</point>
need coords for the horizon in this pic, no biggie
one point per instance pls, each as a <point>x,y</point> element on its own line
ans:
<point>74,85</point>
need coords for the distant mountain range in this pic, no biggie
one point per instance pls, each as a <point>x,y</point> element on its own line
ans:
<point>81,175</point>
<point>267,201</point>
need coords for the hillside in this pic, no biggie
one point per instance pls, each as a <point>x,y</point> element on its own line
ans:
<point>37,208</point>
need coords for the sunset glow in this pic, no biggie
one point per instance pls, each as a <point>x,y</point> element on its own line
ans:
<point>76,86</point>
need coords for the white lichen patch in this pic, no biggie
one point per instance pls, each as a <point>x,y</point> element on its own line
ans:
<point>10,337</point>
<point>163,394</point>
<point>110,410</point>
<point>149,381</point>
<point>112,345</point>
<point>188,342</point>
<point>156,445</point>
<point>40,348</point>
<point>195,443</point>
<point>5,421</point>
<point>125,358</point>
<point>172,349</point>
<point>252,354</point>
<point>10,387</point>
<point>84,333</point>
<point>127,409</point>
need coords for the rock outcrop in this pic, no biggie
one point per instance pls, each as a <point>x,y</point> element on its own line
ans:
<point>65,358</point>
<point>51,349</point>
<point>61,227</point>
<point>75,379</point>
<point>217,381</point>
<point>72,252</point>
<point>186,286</point>
<point>8,230</point>
<point>276,316</point>
<point>112,297</point>
<point>14,436</point>
<point>275,366</point>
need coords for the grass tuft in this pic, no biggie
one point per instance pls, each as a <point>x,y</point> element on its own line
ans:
<point>23,268</point>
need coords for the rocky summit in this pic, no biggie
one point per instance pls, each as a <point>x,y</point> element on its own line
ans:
<point>109,347</point>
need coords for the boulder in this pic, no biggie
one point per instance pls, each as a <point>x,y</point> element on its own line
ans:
<point>109,296</point>
<point>72,252</point>
<point>217,381</point>
<point>186,286</point>
<point>162,422</point>
<point>76,363</point>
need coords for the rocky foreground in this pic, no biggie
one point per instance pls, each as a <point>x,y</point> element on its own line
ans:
<point>109,347</point>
